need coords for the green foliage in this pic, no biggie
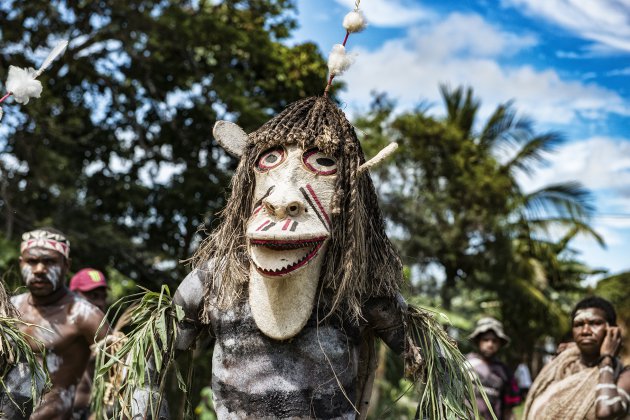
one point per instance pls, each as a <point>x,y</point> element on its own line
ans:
<point>15,348</point>
<point>617,290</point>
<point>205,409</point>
<point>146,354</point>
<point>453,201</point>
<point>439,370</point>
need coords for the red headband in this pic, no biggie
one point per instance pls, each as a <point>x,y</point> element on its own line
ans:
<point>47,240</point>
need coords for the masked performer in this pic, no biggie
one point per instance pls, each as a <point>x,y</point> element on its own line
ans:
<point>300,279</point>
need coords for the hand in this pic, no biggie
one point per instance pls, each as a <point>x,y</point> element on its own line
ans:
<point>612,341</point>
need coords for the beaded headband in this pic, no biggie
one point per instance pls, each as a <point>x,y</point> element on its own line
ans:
<point>44,239</point>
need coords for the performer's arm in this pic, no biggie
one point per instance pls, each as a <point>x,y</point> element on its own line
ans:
<point>189,296</point>
<point>612,397</point>
<point>385,317</point>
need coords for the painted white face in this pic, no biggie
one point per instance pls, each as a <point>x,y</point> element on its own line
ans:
<point>291,221</point>
<point>42,270</point>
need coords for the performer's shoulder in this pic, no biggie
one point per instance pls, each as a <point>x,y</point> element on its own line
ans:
<point>18,300</point>
<point>81,308</point>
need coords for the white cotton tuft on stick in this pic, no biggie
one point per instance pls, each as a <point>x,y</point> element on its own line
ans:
<point>380,157</point>
<point>338,60</point>
<point>22,84</point>
<point>59,49</point>
<point>1,112</point>
<point>354,21</point>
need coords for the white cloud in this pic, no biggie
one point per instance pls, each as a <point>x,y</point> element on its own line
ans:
<point>606,22</point>
<point>466,50</point>
<point>390,13</point>
<point>599,163</point>
<point>619,72</point>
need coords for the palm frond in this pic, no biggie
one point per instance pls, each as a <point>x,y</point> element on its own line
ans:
<point>440,372</point>
<point>498,127</point>
<point>569,199</point>
<point>533,152</point>
<point>142,358</point>
<point>461,109</point>
<point>15,349</point>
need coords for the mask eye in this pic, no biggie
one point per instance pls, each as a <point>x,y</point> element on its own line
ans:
<point>319,163</point>
<point>270,158</point>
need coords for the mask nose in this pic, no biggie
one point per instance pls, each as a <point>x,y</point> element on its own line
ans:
<point>283,207</point>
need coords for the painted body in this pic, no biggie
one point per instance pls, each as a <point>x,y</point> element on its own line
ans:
<point>64,323</point>
<point>586,380</point>
<point>66,327</point>
<point>313,375</point>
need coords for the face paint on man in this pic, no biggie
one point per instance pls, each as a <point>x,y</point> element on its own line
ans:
<point>42,270</point>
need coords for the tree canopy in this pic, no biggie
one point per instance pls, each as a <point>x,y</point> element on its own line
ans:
<point>118,152</point>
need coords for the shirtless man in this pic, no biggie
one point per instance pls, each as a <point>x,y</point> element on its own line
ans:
<point>65,323</point>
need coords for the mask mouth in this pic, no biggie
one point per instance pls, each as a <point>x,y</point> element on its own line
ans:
<point>275,258</point>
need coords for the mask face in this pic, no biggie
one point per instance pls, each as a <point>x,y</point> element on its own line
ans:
<point>291,219</point>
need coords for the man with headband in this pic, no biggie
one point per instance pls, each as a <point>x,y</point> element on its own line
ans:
<point>586,380</point>
<point>65,323</point>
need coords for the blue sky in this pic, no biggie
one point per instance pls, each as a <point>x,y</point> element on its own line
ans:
<point>565,63</point>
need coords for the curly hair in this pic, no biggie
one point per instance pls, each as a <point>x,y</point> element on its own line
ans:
<point>600,303</point>
<point>360,261</point>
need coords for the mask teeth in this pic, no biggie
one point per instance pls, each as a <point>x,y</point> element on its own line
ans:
<point>301,260</point>
<point>290,245</point>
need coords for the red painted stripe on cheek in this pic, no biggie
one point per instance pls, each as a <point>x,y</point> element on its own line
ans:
<point>319,204</point>
<point>286,224</point>
<point>265,223</point>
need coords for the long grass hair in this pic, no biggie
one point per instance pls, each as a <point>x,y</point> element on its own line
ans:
<point>360,261</point>
<point>6,307</point>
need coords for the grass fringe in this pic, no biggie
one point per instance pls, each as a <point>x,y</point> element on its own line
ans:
<point>139,360</point>
<point>14,349</point>
<point>443,378</point>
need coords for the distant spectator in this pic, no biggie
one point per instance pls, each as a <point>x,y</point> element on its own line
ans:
<point>586,380</point>
<point>494,376</point>
<point>91,285</point>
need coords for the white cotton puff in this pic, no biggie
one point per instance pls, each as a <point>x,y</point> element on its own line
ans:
<point>22,84</point>
<point>338,60</point>
<point>354,21</point>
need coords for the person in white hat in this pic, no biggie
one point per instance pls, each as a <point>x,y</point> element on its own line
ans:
<point>496,379</point>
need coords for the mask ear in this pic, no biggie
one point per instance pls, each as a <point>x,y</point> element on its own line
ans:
<point>231,137</point>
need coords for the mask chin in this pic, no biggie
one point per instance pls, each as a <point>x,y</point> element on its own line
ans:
<point>282,304</point>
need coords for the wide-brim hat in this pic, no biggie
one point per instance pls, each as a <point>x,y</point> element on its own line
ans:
<point>489,324</point>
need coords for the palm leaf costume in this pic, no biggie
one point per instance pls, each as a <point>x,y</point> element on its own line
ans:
<point>17,397</point>
<point>324,368</point>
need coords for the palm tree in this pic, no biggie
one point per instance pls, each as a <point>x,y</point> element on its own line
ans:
<point>453,196</point>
